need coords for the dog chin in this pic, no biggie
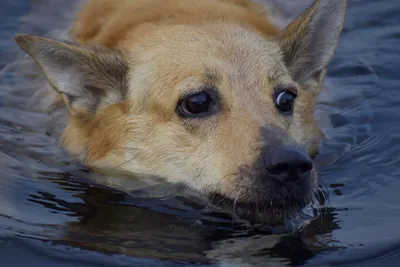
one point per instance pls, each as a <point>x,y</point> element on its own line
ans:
<point>268,212</point>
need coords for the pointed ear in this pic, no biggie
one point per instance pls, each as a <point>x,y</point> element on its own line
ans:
<point>87,77</point>
<point>309,42</point>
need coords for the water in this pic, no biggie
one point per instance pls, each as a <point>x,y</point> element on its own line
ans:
<point>52,215</point>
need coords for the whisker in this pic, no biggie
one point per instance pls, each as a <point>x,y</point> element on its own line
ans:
<point>124,149</point>
<point>227,196</point>
<point>258,210</point>
<point>326,196</point>
<point>123,163</point>
<point>234,208</point>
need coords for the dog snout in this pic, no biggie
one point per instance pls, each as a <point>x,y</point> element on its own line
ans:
<point>288,163</point>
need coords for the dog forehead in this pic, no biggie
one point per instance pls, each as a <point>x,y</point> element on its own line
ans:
<point>240,58</point>
<point>183,43</point>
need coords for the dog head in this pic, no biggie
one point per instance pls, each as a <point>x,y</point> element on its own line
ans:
<point>216,106</point>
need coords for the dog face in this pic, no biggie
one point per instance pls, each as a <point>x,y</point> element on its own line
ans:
<point>216,106</point>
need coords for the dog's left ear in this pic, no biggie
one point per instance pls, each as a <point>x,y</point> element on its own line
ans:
<point>309,42</point>
<point>87,77</point>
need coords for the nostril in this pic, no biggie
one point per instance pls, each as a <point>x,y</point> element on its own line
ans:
<point>305,167</point>
<point>279,168</point>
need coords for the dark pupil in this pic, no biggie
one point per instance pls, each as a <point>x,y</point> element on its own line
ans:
<point>284,101</point>
<point>197,103</point>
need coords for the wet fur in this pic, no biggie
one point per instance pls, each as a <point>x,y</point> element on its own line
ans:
<point>130,62</point>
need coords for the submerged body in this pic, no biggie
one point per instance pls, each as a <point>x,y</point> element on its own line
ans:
<point>207,93</point>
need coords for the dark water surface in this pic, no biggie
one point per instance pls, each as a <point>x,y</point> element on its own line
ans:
<point>51,215</point>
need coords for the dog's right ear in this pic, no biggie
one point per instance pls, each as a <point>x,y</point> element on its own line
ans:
<point>87,77</point>
<point>309,42</point>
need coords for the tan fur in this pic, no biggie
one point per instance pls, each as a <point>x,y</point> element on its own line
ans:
<point>154,51</point>
<point>82,132</point>
<point>107,23</point>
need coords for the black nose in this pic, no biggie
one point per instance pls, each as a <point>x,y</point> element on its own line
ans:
<point>288,163</point>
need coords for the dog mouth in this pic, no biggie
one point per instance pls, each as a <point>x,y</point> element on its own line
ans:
<point>271,207</point>
<point>265,214</point>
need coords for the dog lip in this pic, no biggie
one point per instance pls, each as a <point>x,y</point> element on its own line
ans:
<point>265,210</point>
<point>268,213</point>
<point>293,182</point>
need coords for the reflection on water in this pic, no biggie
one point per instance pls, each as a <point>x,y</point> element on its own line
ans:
<point>51,213</point>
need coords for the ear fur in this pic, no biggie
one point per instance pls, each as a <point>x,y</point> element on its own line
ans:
<point>309,42</point>
<point>87,77</point>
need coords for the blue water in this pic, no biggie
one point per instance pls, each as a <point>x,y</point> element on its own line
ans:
<point>51,215</point>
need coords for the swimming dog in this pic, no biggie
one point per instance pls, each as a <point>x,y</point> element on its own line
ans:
<point>210,94</point>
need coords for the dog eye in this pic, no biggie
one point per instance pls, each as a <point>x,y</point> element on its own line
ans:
<point>284,101</point>
<point>196,104</point>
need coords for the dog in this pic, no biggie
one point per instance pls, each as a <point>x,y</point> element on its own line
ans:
<point>210,94</point>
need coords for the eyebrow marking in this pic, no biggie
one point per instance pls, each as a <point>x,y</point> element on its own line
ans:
<point>276,72</point>
<point>212,76</point>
